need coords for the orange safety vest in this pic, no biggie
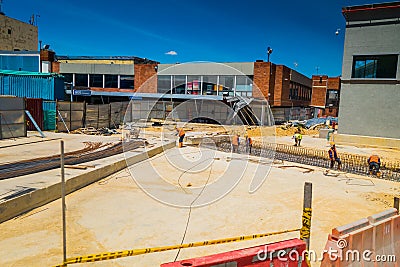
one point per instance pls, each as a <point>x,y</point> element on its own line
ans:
<point>235,140</point>
<point>181,132</point>
<point>250,141</point>
<point>374,158</point>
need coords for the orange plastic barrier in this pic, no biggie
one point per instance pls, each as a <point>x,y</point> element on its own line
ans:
<point>289,253</point>
<point>374,241</point>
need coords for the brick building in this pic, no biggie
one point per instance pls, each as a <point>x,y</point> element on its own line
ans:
<point>117,78</point>
<point>325,95</point>
<point>287,91</point>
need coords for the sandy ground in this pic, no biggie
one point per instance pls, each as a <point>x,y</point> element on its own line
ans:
<point>115,214</point>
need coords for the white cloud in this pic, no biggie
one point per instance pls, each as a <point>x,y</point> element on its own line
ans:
<point>171,53</point>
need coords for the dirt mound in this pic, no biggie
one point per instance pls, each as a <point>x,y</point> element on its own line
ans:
<point>281,131</point>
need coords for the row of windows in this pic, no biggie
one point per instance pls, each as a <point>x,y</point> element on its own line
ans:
<point>379,66</point>
<point>299,92</point>
<point>206,84</point>
<point>100,80</point>
<point>22,62</point>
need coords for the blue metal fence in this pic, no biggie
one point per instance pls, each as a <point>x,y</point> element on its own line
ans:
<point>32,85</point>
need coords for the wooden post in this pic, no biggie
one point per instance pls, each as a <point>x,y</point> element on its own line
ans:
<point>306,218</point>
<point>63,203</point>
<point>396,203</point>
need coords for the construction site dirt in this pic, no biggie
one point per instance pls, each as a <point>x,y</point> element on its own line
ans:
<point>115,214</point>
<point>120,213</point>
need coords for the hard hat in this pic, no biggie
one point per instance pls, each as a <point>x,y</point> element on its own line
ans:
<point>332,143</point>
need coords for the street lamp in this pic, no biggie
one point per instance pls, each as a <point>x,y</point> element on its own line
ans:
<point>269,52</point>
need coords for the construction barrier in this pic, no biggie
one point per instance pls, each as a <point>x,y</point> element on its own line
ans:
<point>135,252</point>
<point>289,253</point>
<point>372,241</point>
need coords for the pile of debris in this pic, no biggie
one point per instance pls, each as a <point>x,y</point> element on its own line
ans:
<point>315,123</point>
<point>94,131</point>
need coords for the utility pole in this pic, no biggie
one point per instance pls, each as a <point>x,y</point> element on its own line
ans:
<point>1,7</point>
<point>306,218</point>
<point>269,52</point>
<point>63,203</point>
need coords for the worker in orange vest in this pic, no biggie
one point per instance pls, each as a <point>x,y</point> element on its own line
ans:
<point>181,134</point>
<point>333,156</point>
<point>235,143</point>
<point>374,163</point>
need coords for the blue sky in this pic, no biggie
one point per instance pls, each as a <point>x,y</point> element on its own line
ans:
<point>301,33</point>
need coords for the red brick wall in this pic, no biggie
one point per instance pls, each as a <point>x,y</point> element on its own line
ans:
<point>282,86</point>
<point>47,55</point>
<point>319,85</point>
<point>55,67</point>
<point>334,83</point>
<point>263,80</point>
<point>145,78</point>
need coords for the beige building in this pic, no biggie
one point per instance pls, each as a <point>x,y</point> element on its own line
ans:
<point>16,35</point>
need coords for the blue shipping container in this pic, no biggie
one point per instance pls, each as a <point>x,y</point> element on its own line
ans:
<point>48,86</point>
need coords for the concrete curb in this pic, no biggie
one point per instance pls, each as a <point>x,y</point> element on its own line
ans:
<point>40,197</point>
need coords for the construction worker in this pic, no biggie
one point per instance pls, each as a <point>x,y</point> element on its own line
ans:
<point>334,157</point>
<point>374,163</point>
<point>297,138</point>
<point>235,143</point>
<point>249,144</point>
<point>181,134</point>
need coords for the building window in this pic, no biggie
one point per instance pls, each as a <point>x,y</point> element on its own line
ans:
<point>127,82</point>
<point>81,80</point>
<point>383,66</point>
<point>67,77</point>
<point>96,80</point>
<point>244,85</point>
<point>111,81</point>
<point>9,31</point>
<point>227,83</point>
<point>332,98</point>
<point>20,62</point>
<point>164,84</point>
<point>193,85</point>
<point>179,84</point>
<point>209,85</point>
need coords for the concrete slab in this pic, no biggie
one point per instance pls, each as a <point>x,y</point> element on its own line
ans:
<point>115,213</point>
<point>23,193</point>
<point>33,146</point>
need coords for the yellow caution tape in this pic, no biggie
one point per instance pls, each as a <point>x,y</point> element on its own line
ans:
<point>306,220</point>
<point>135,252</point>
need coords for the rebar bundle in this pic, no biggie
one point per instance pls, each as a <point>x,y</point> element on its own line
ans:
<point>92,151</point>
<point>351,163</point>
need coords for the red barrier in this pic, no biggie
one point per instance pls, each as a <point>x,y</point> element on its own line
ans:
<point>374,242</point>
<point>289,253</point>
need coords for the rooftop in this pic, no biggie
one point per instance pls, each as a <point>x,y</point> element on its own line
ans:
<point>28,73</point>
<point>137,60</point>
<point>379,11</point>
